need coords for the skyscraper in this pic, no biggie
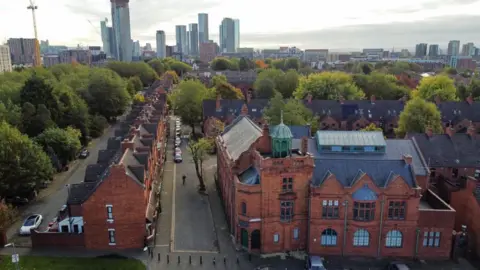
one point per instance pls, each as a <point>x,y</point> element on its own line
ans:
<point>453,47</point>
<point>202,27</point>
<point>193,29</point>
<point>121,30</point>
<point>161,44</point>
<point>22,50</point>
<point>421,50</point>
<point>236,23</point>
<point>181,38</point>
<point>227,35</point>
<point>105,37</point>
<point>5,61</point>
<point>468,49</point>
<point>433,50</point>
<point>136,49</point>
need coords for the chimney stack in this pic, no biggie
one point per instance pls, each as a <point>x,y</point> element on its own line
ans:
<point>218,105</point>
<point>304,145</point>
<point>266,130</point>
<point>341,99</point>
<point>450,131</point>
<point>429,131</point>
<point>127,144</point>
<point>438,100</point>
<point>309,98</point>
<point>470,99</point>
<point>407,158</point>
<point>249,97</point>
<point>472,131</point>
<point>372,99</point>
<point>244,111</point>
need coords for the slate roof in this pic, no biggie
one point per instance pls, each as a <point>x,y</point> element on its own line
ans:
<point>350,138</point>
<point>78,193</point>
<point>240,135</point>
<point>347,171</point>
<point>250,176</point>
<point>441,150</point>
<point>394,150</point>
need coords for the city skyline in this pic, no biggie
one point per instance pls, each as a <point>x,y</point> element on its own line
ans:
<point>303,32</point>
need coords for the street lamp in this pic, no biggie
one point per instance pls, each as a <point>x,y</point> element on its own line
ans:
<point>15,257</point>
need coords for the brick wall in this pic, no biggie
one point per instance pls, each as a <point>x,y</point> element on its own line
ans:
<point>57,240</point>
<point>129,208</point>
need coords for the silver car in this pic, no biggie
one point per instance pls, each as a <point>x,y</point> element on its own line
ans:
<point>32,222</point>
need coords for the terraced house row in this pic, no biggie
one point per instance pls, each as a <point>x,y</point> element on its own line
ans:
<point>344,192</point>
<point>344,114</point>
<point>115,207</point>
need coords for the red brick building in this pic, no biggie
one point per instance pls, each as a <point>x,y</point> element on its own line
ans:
<point>208,51</point>
<point>115,206</point>
<point>340,193</point>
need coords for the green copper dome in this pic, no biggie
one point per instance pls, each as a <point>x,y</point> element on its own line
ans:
<point>281,131</point>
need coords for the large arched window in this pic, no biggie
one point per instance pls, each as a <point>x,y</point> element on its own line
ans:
<point>361,238</point>
<point>393,239</point>
<point>329,237</point>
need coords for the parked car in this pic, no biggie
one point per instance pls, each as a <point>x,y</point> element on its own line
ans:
<point>314,263</point>
<point>17,201</point>
<point>177,151</point>
<point>178,158</point>
<point>84,154</point>
<point>397,266</point>
<point>32,222</point>
<point>178,141</point>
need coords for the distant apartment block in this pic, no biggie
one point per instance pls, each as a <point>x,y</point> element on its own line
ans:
<point>80,56</point>
<point>315,55</point>
<point>421,50</point>
<point>453,47</point>
<point>338,57</point>
<point>462,62</point>
<point>203,28</point>
<point>193,39</point>
<point>50,60</point>
<point>161,46</point>
<point>5,60</point>
<point>373,54</point>
<point>22,50</point>
<point>468,49</point>
<point>433,50</point>
<point>208,51</point>
<point>227,35</point>
<point>169,50</point>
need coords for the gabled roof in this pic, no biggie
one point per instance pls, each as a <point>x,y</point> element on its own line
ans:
<point>441,150</point>
<point>240,135</point>
<point>346,171</point>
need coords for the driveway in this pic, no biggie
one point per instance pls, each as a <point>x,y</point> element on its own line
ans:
<point>51,199</point>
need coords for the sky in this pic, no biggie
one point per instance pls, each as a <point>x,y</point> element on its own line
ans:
<point>307,24</point>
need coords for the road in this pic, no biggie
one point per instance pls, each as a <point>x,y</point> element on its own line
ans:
<point>48,206</point>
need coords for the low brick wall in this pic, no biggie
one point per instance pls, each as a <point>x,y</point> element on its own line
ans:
<point>57,240</point>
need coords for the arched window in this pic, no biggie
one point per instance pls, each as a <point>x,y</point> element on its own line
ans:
<point>243,209</point>
<point>329,238</point>
<point>361,238</point>
<point>393,239</point>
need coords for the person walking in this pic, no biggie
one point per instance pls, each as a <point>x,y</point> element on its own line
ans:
<point>183,179</point>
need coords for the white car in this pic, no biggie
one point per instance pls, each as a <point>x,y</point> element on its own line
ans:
<point>178,151</point>
<point>178,158</point>
<point>32,222</point>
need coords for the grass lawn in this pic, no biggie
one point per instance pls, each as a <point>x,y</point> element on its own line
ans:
<point>58,263</point>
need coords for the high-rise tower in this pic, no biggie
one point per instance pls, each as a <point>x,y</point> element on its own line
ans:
<point>161,44</point>
<point>202,28</point>
<point>121,30</point>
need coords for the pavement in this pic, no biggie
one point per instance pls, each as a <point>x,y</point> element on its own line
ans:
<point>50,200</point>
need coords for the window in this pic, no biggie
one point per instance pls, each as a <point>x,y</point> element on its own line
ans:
<point>109,212</point>
<point>287,184</point>
<point>64,229</point>
<point>364,211</point>
<point>286,211</point>
<point>394,239</point>
<point>111,237</point>
<point>431,239</point>
<point>328,238</point>
<point>369,149</point>
<point>330,209</point>
<point>361,238</point>
<point>396,210</point>
<point>296,233</point>
<point>244,208</point>
<point>336,149</point>
<point>76,228</point>
<point>276,238</point>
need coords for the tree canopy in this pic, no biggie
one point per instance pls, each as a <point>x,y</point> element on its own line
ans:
<point>441,86</point>
<point>187,101</point>
<point>199,151</point>
<point>381,85</point>
<point>417,115</point>
<point>285,83</point>
<point>65,143</point>
<point>141,69</point>
<point>328,85</point>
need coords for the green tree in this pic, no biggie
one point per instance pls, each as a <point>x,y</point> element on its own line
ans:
<point>139,98</point>
<point>11,113</point>
<point>264,89</point>
<point>64,142</point>
<point>141,69</point>
<point>441,86</point>
<point>328,85</point>
<point>450,71</point>
<point>372,127</point>
<point>294,112</point>
<point>474,89</point>
<point>417,115</point>
<point>220,63</point>
<point>37,91</point>
<point>107,94</point>
<point>137,83</point>
<point>287,83</point>
<point>97,125</point>
<point>292,63</point>
<point>24,164</point>
<point>278,64</point>
<point>158,66</point>
<point>243,64</point>
<point>187,101</point>
<point>180,68</point>
<point>199,151</point>
<point>35,120</point>
<point>383,86</point>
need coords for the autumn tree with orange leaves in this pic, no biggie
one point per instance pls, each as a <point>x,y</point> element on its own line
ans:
<point>261,64</point>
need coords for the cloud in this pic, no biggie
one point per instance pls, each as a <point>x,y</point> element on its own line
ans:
<point>405,35</point>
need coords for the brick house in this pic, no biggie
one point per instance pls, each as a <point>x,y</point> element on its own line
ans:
<point>346,114</point>
<point>115,206</point>
<point>340,193</point>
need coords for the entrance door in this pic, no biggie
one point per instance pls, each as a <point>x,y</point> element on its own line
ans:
<point>256,239</point>
<point>244,239</point>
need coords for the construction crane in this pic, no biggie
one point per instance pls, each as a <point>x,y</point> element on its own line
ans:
<point>37,61</point>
